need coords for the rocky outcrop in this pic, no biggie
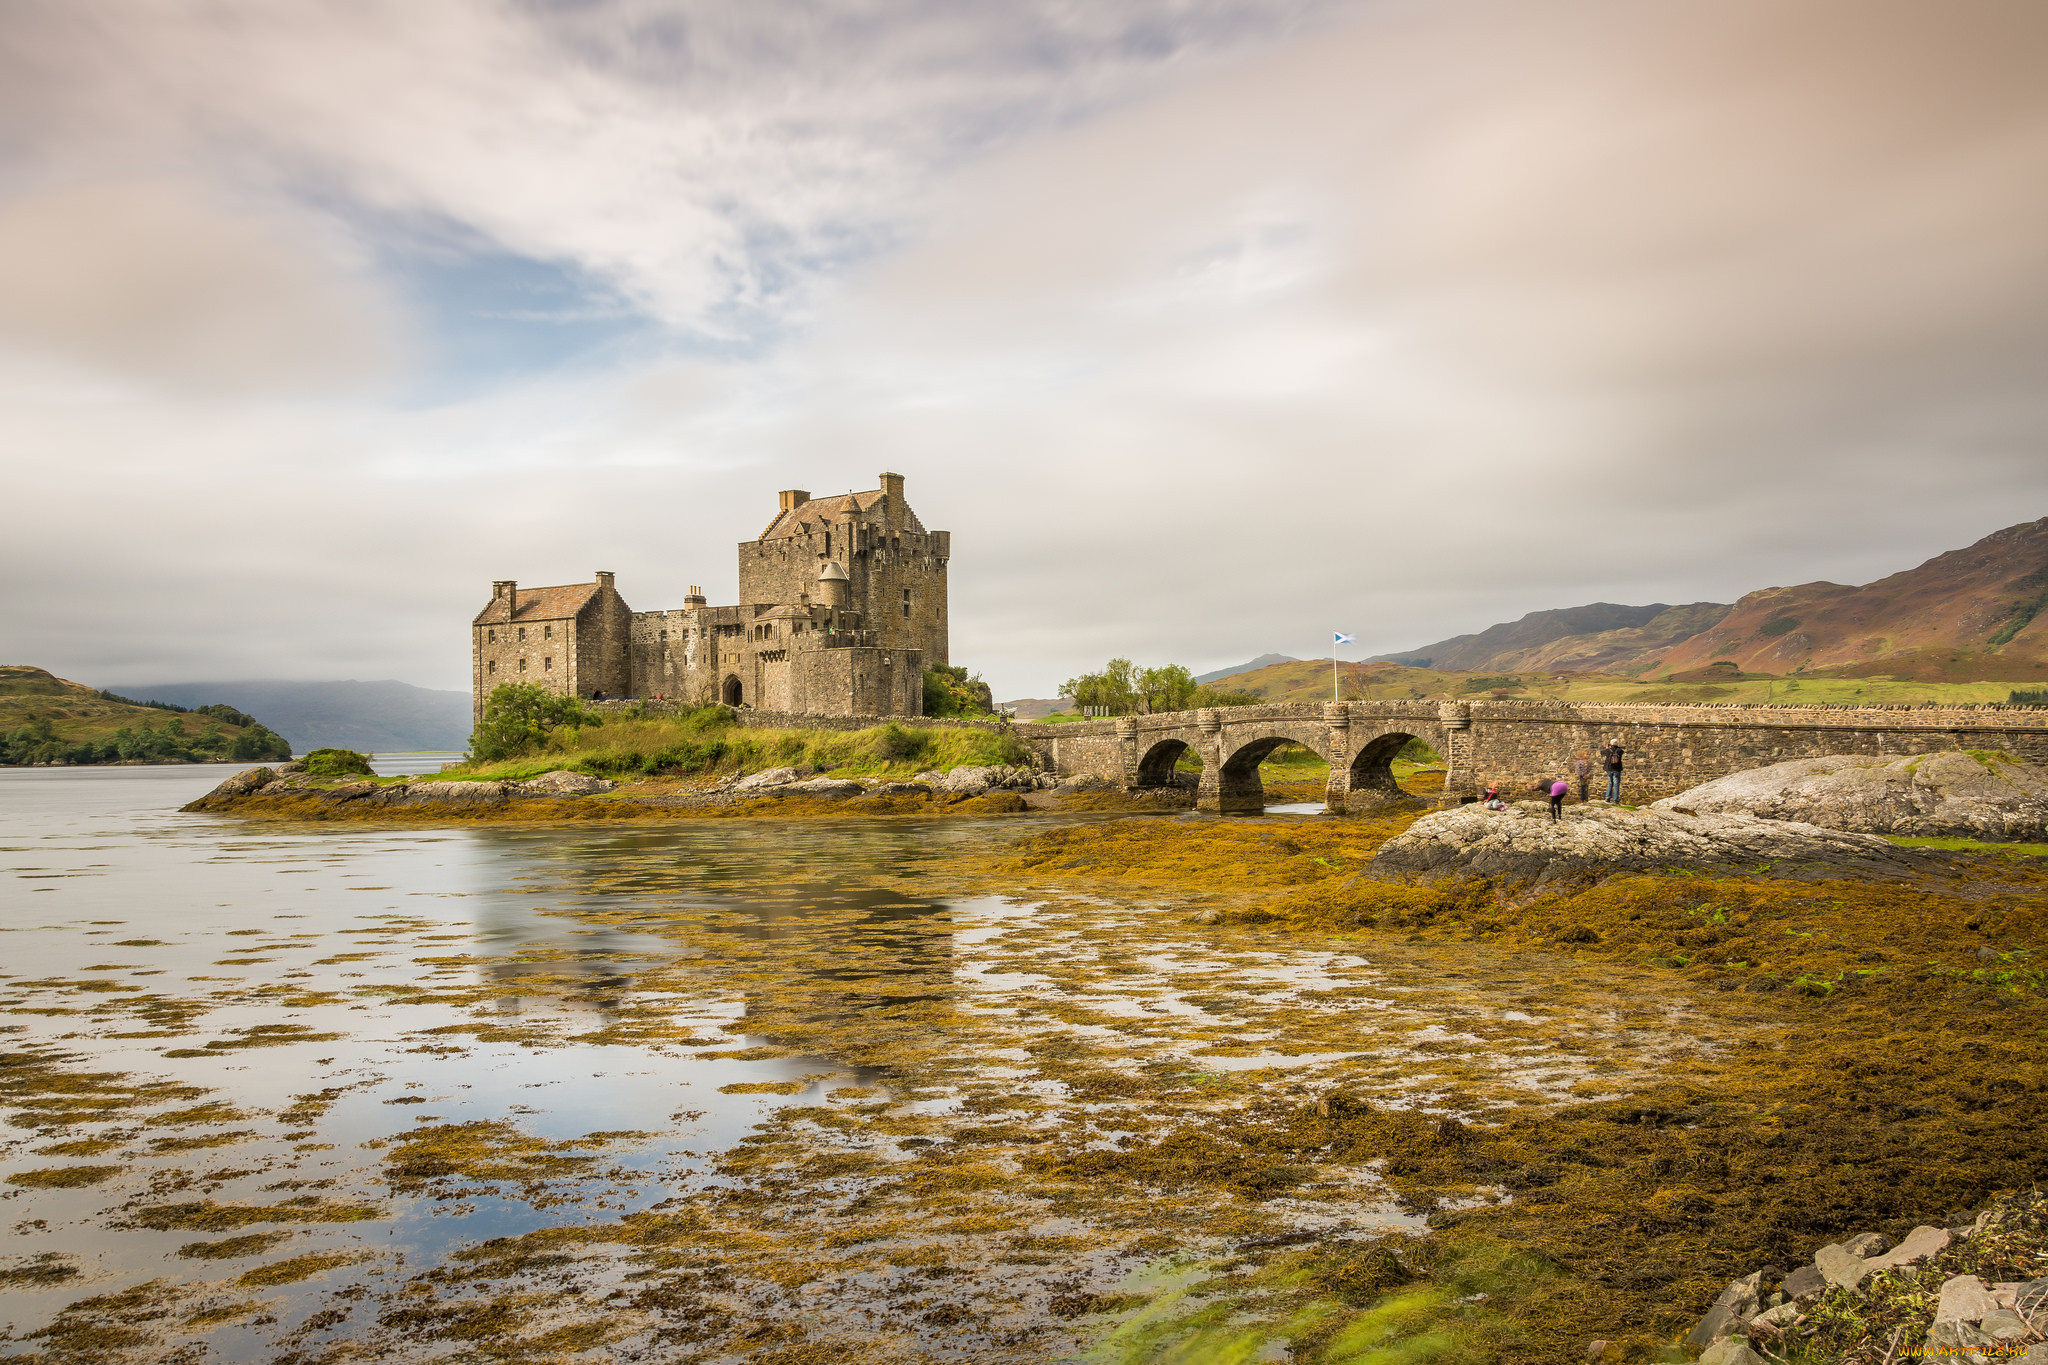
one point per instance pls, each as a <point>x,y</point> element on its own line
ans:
<point>1868,1277</point>
<point>1523,841</point>
<point>564,783</point>
<point>973,781</point>
<point>1954,794</point>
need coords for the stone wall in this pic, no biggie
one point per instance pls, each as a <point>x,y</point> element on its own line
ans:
<point>1513,743</point>
<point>798,720</point>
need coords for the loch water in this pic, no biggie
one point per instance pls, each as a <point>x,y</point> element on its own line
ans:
<point>267,1086</point>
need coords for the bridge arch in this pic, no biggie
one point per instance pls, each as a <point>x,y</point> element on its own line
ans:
<point>1238,789</point>
<point>1158,765</point>
<point>1369,776</point>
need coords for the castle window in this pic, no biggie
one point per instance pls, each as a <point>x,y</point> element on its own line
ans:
<point>522,665</point>
<point>490,637</point>
<point>522,632</point>
<point>906,601</point>
<point>494,666</point>
<point>664,638</point>
<point>547,665</point>
<point>547,632</point>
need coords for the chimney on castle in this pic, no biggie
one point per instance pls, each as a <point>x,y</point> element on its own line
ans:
<point>509,590</point>
<point>892,489</point>
<point>793,498</point>
<point>604,580</point>
<point>695,599</point>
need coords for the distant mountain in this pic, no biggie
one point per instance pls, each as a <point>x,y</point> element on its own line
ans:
<point>1262,661</point>
<point>1975,614</point>
<point>370,717</point>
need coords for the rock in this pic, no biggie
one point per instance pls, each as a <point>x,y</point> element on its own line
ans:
<point>1956,1341</point>
<point>1841,1266</point>
<point>287,769</point>
<point>822,788</point>
<point>448,794</point>
<point>967,781</point>
<point>1805,1283</point>
<point>2002,1325</point>
<point>771,777</point>
<point>1087,782</point>
<point>1920,1243</point>
<point>1729,1351</point>
<point>1964,1298</point>
<point>244,782</point>
<point>900,789</point>
<point>2037,1354</point>
<point>1868,1244</point>
<point>561,782</point>
<point>1719,1322</point>
<point>1474,840</point>
<point>1784,1317</point>
<point>1944,794</point>
<point>1736,1306</point>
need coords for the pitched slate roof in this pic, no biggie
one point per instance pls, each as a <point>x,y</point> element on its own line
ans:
<point>540,604</point>
<point>838,507</point>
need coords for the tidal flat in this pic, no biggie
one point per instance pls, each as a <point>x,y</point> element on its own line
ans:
<point>1024,1088</point>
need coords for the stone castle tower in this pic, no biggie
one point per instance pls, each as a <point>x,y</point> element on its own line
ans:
<point>842,607</point>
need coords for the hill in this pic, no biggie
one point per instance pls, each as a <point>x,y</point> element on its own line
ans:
<point>1309,680</point>
<point>1979,614</point>
<point>48,719</point>
<point>369,717</point>
<point>1263,661</point>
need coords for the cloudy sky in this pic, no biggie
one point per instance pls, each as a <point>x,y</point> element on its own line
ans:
<point>1206,326</point>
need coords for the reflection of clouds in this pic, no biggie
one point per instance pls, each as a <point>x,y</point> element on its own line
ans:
<point>845,946</point>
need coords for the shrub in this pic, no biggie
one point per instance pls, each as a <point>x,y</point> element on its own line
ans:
<point>519,717</point>
<point>895,744</point>
<point>1779,625</point>
<point>337,763</point>
<point>950,691</point>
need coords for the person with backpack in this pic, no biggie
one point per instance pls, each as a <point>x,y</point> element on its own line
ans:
<point>1582,769</point>
<point>1557,787</point>
<point>1610,758</point>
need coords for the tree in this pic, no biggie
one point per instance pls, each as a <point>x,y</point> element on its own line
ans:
<point>519,717</point>
<point>950,691</point>
<point>1124,689</point>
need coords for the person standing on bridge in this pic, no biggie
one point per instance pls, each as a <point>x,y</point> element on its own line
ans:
<point>1610,758</point>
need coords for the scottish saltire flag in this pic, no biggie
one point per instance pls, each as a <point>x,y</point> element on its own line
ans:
<point>1344,639</point>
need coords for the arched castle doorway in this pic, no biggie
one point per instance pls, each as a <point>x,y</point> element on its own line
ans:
<point>732,693</point>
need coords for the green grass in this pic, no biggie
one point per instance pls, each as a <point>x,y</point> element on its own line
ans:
<point>1969,845</point>
<point>705,742</point>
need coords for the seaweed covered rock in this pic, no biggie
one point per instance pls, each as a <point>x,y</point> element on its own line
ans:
<point>1474,841</point>
<point>1975,795</point>
<point>562,782</point>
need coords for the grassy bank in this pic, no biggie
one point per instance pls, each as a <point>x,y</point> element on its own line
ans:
<point>1885,1064</point>
<point>710,742</point>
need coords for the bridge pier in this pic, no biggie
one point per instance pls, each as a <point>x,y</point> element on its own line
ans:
<point>1460,785</point>
<point>1224,790</point>
<point>1337,791</point>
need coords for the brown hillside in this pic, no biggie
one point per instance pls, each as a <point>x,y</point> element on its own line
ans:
<point>1975,613</point>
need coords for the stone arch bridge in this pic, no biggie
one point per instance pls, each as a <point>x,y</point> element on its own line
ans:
<point>1511,743</point>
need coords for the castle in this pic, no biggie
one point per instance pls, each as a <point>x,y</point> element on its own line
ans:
<point>842,607</point>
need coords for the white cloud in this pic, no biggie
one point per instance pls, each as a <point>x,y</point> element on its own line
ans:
<point>1466,310</point>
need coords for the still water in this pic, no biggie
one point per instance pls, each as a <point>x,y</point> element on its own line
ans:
<point>705,1091</point>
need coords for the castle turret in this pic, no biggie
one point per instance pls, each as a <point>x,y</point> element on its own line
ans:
<point>833,585</point>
